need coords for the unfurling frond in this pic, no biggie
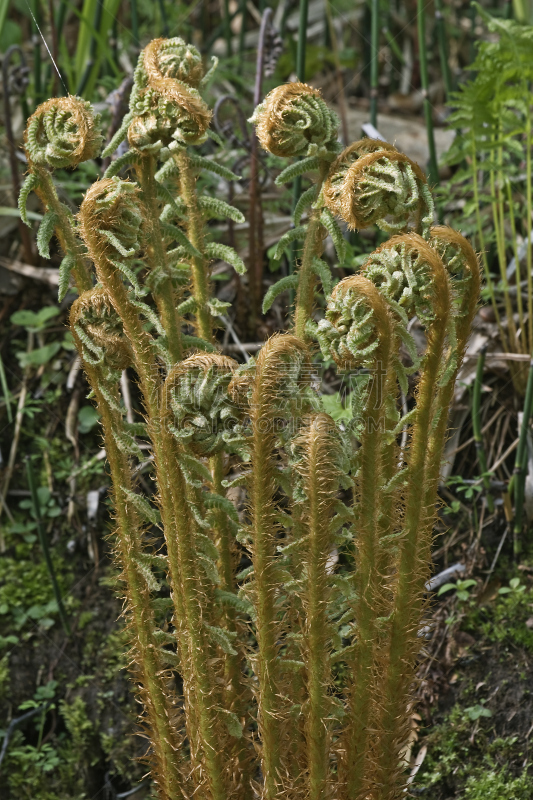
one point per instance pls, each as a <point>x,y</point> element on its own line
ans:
<point>62,132</point>
<point>203,414</point>
<point>371,183</point>
<point>99,329</point>
<point>165,101</point>
<point>111,219</point>
<point>294,120</point>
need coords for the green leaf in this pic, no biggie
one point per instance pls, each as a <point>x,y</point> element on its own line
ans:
<point>218,208</point>
<point>88,417</point>
<point>211,166</point>
<point>298,168</point>
<point>233,723</point>
<point>65,268</point>
<point>232,600</point>
<point>45,233</point>
<point>142,505</point>
<point>289,282</point>
<point>129,158</point>
<point>222,638</point>
<point>176,233</point>
<point>227,254</point>
<point>30,183</point>
<point>331,225</point>
<point>323,272</point>
<point>40,356</point>
<point>306,200</point>
<point>213,500</point>
<point>200,344</point>
<point>291,236</point>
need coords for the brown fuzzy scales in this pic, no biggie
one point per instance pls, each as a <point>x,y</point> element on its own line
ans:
<point>172,89</point>
<point>62,132</point>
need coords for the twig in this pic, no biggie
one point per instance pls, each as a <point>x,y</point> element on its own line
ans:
<point>126,395</point>
<point>256,226</point>
<point>14,723</point>
<point>235,338</point>
<point>23,229</point>
<point>520,469</point>
<point>497,555</point>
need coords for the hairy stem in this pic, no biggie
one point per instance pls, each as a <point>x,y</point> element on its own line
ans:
<point>306,277</point>
<point>64,228</point>
<point>413,563</point>
<point>165,296</point>
<point>200,277</point>
<point>129,548</point>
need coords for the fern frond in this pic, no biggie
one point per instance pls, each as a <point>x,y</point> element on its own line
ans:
<point>225,253</point>
<point>291,172</point>
<point>288,282</point>
<point>31,182</point>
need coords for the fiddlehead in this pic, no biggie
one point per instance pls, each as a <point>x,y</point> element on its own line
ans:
<point>205,418</point>
<point>371,183</point>
<point>295,121</point>
<point>62,133</point>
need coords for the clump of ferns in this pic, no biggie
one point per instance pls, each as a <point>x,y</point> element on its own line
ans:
<point>260,618</point>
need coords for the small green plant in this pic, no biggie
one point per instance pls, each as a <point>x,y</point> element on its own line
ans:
<point>259,622</point>
<point>461,589</point>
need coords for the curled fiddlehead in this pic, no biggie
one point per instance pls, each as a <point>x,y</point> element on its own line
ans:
<point>462,264</point>
<point>205,418</point>
<point>371,183</point>
<point>294,120</point>
<point>63,132</point>
<point>100,331</point>
<point>111,219</point>
<point>165,103</point>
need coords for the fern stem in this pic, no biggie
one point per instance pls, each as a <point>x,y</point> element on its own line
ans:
<point>64,228</point>
<point>306,277</point>
<point>413,562</point>
<point>129,547</point>
<point>165,296</point>
<point>368,580</point>
<point>500,244</point>
<point>200,278</point>
<point>520,306</point>
<point>262,487</point>
<point>320,490</point>
<point>482,245</point>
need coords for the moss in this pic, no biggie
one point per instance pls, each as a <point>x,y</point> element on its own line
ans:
<point>504,620</point>
<point>497,785</point>
<point>466,760</point>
